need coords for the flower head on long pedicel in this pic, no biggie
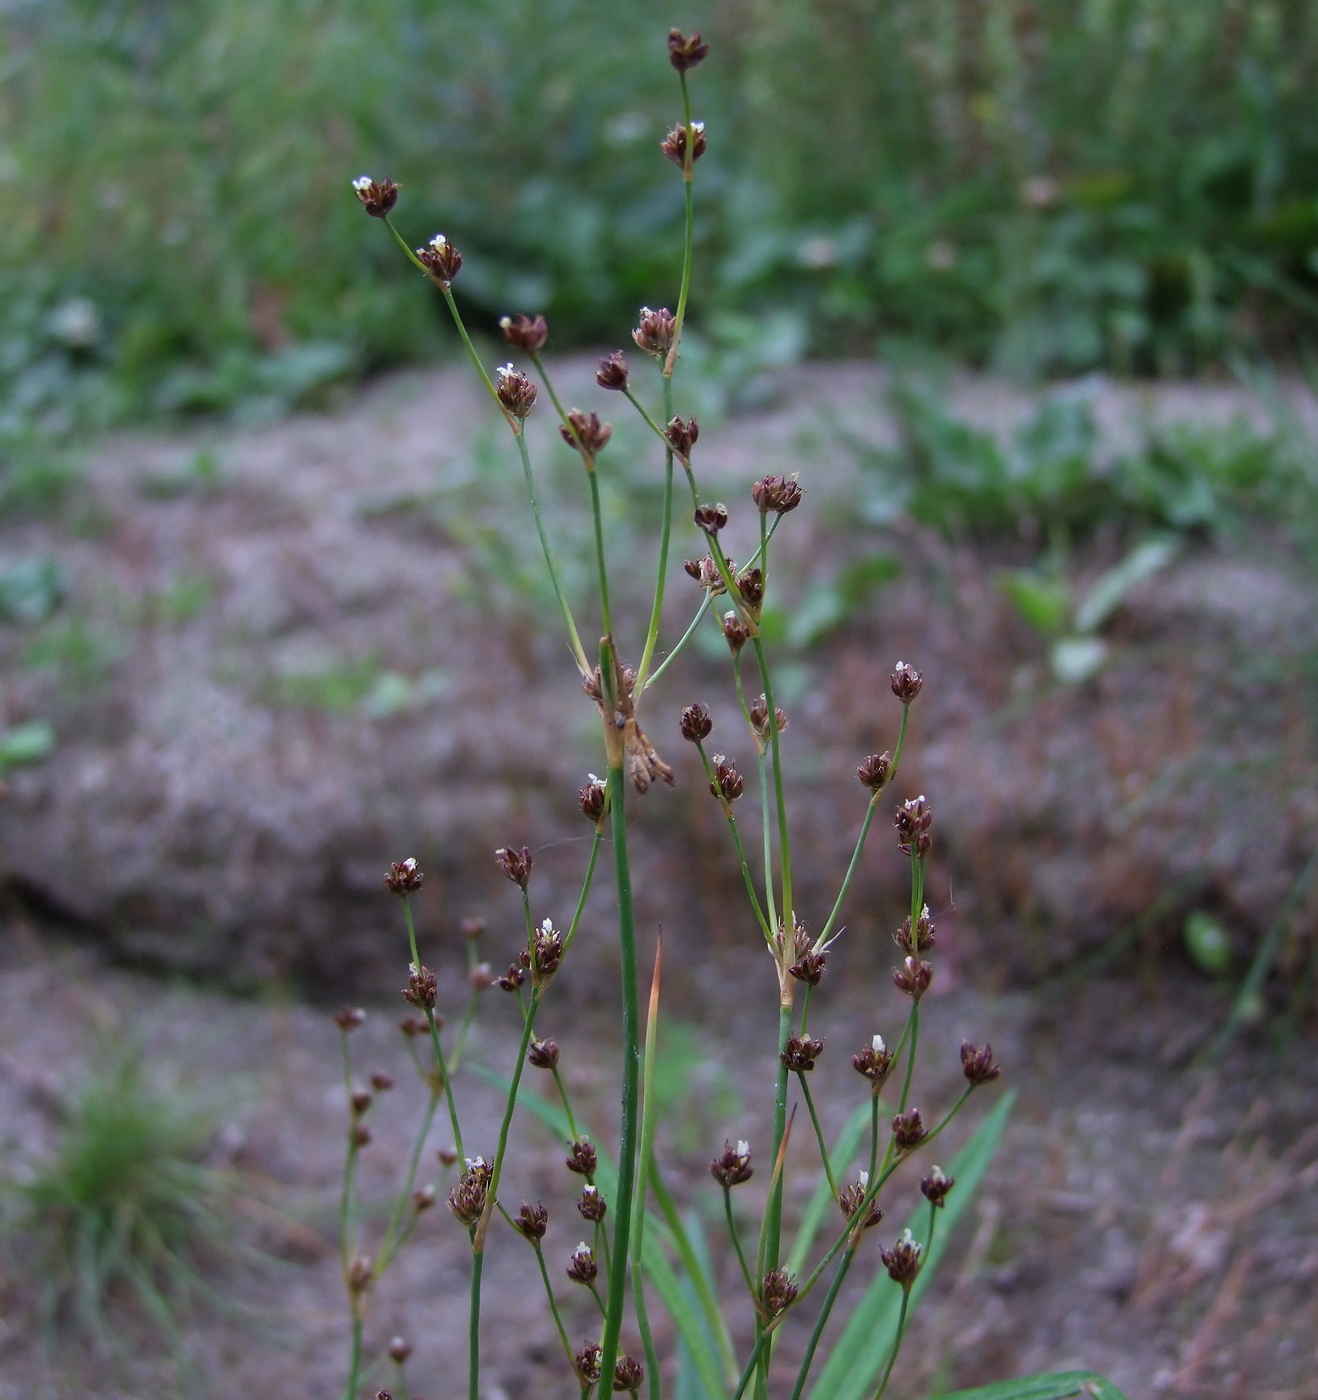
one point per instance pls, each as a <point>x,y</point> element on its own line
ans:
<point>874,1062</point>
<point>548,949</point>
<point>706,573</point>
<point>977,1065</point>
<point>711,518</point>
<point>531,1221</point>
<point>684,53</point>
<point>582,1267</point>
<point>908,1130</point>
<point>467,1199</point>
<point>585,431</point>
<point>674,144</point>
<point>583,1159</point>
<point>936,1185</point>
<point>874,771</point>
<point>777,1291</point>
<point>801,1052</point>
<point>515,864</point>
<point>733,1165</point>
<point>750,585</point>
<point>682,436</point>
<point>524,333</point>
<point>759,717</point>
<point>378,197</point>
<point>902,1261</point>
<point>440,259</point>
<point>852,1198</point>
<point>926,933</point>
<point>735,632</point>
<point>588,1362</point>
<point>348,1018</point>
<point>594,799</point>
<point>696,723</point>
<point>592,1205</point>
<point>906,682</point>
<point>913,820</point>
<point>399,1350</point>
<point>779,494</point>
<point>543,1054</point>
<point>421,990</point>
<point>628,1374</point>
<point>403,877</point>
<point>516,392</point>
<point>913,978</point>
<point>728,783</point>
<point>809,968</point>
<point>612,372</point>
<point>654,334</point>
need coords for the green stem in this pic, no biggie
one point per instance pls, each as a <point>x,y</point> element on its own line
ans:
<point>784,842</point>
<point>689,240</point>
<point>766,827</point>
<point>851,870</point>
<point>355,1361</point>
<point>578,651</point>
<point>474,1329</point>
<point>553,1306</point>
<point>819,1133</point>
<point>599,546</point>
<point>765,926</point>
<point>434,1033</point>
<point>648,1119</point>
<point>388,1244</point>
<point>471,350</point>
<point>686,637</point>
<point>822,1321</point>
<point>771,1234</point>
<point>896,1342</point>
<point>652,635</point>
<point>585,890</point>
<point>567,1107</point>
<point>736,1240</point>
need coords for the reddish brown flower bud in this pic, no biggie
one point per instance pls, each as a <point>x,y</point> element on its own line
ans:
<point>913,820</point>
<point>777,1292</point>
<point>913,978</point>
<point>548,948</point>
<point>525,333</point>
<point>586,431</point>
<point>674,144</point>
<point>733,1165</point>
<point>696,723</point>
<point>512,979</point>
<point>467,1198</point>
<point>515,864</point>
<point>711,518</point>
<point>874,771</point>
<point>735,632</point>
<point>381,1081</point>
<point>592,1205</point>
<point>759,718</point>
<point>728,783</point>
<point>440,259</point>
<point>936,1185</point>
<point>750,584</point>
<point>423,1198</point>
<point>628,1374</point>
<point>360,1275</point>
<point>926,934</point>
<point>809,969</point>
<point>481,977</point>
<point>682,436</point>
<point>685,53</point>
<point>906,682</point>
<point>399,1350</point>
<point>593,799</point>
<point>531,1221</point>
<point>472,929</point>
<point>447,1156</point>
<point>582,1267</point>
<point>801,1052</point>
<point>378,197</point>
<point>516,392</point>
<point>977,1065</point>
<point>706,573</point>
<point>902,1261</point>
<point>403,877</point>
<point>543,1054</point>
<point>360,1100</point>
<point>908,1130</point>
<point>421,989</point>
<point>359,1135</point>
<point>588,1362</point>
<point>348,1018</point>
<point>851,1200</point>
<point>655,332</point>
<point>612,372</point>
<point>874,1062</point>
<point>777,493</point>
<point>584,1158</point>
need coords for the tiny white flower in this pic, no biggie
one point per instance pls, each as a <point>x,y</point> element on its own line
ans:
<point>439,243</point>
<point>362,182</point>
<point>907,1238</point>
<point>581,1250</point>
<point>864,1181</point>
<point>743,1149</point>
<point>877,1044</point>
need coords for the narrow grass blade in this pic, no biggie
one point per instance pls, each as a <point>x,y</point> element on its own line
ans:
<point>862,1350</point>
<point>848,1140</point>
<point>1061,1385</point>
<point>690,1323</point>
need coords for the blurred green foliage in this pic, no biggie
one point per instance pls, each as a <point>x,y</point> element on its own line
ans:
<point>1046,188</point>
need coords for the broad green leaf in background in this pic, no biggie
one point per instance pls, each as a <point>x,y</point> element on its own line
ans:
<point>1115,586</point>
<point>1060,1385</point>
<point>862,1350</point>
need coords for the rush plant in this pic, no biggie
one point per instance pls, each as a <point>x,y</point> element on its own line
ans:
<point>633,1229</point>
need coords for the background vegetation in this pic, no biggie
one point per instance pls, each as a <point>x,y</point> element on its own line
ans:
<point>1042,188</point>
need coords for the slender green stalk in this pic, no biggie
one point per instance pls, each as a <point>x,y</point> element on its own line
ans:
<point>656,611</point>
<point>822,1321</point>
<point>910,1057</point>
<point>689,238</point>
<point>599,548</point>
<point>355,1361</point>
<point>648,1119</point>
<point>434,1034</point>
<point>874,1135</point>
<point>896,1342</point>
<point>851,870</point>
<point>510,1105</point>
<point>464,1029</point>
<point>553,1307</point>
<point>819,1133</point>
<point>585,891</point>
<point>567,1107</point>
<point>765,926</point>
<point>766,828</point>
<point>578,651</point>
<point>627,1147</point>
<point>784,841</point>
<point>388,1246</point>
<point>471,351</point>
<point>474,1329</point>
<point>736,1240</point>
<point>686,637</point>
<point>771,1232</point>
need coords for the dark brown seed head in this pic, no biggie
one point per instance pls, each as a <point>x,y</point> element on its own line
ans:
<point>777,1291</point>
<point>801,1052</point>
<point>588,1362</point>
<point>926,933</point>
<point>361,1100</point>
<point>913,820</point>
<point>447,1156</point>
<point>706,573</point>
<point>874,771</point>
<point>582,1267</point>
<point>684,53</point>
<point>902,1261</point>
<point>348,1018</point>
<point>399,1350</point>
<point>592,1205</point>
<point>733,1165</point>
<point>852,1198</point>
<point>593,799</point>
<point>584,430</point>
<point>513,978</point>
<point>674,144</point>
<point>711,518</point>
<point>423,1198</point>
<point>874,1062</point>
<point>682,436</point>
<point>421,990</point>
<point>750,584</point>
<point>696,723</point>
<point>543,1054</point>
<point>912,978</point>
<point>516,392</point>
<point>906,682</point>
<point>809,969</point>
<point>525,333</point>
<point>777,493</point>
<point>548,950</point>
<point>735,632</point>
<point>467,1198</point>
<point>515,864</point>
<point>759,718</point>
<point>472,929</point>
<point>403,877</point>
<point>628,1374</point>
<point>440,259</point>
<point>977,1065</point>
<point>378,197</point>
<point>360,1275</point>
<point>583,1159</point>
<point>612,371</point>
<point>381,1081</point>
<point>655,332</point>
<point>936,1185</point>
<point>531,1221</point>
<point>908,1130</point>
<point>728,783</point>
